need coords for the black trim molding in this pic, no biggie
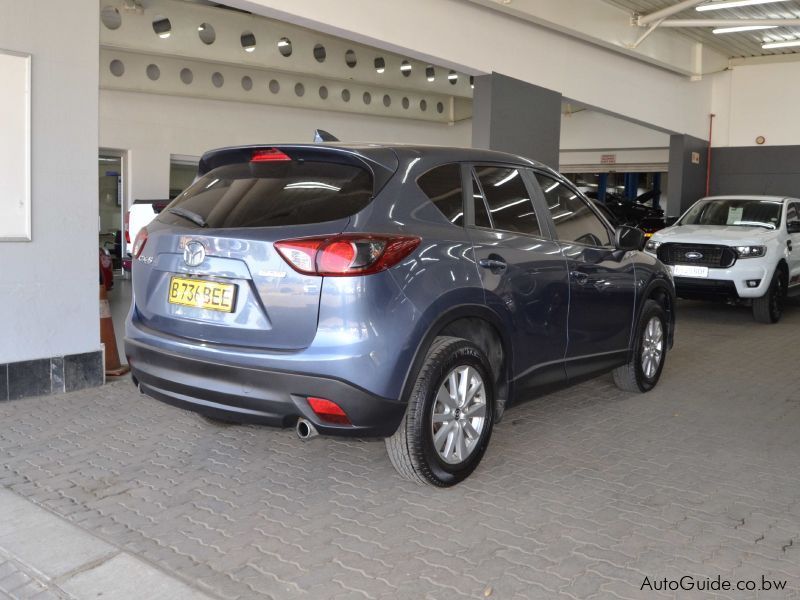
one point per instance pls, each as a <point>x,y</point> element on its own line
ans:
<point>48,376</point>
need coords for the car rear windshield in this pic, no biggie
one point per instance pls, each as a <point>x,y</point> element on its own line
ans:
<point>748,212</point>
<point>273,194</point>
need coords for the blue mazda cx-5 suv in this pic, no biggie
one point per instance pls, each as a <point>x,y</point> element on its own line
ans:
<point>410,293</point>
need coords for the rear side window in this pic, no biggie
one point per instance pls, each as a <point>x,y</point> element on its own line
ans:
<point>508,200</point>
<point>274,194</point>
<point>443,186</point>
<point>481,213</point>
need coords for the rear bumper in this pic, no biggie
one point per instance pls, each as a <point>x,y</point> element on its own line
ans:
<point>252,395</point>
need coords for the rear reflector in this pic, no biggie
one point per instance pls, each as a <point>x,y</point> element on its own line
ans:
<point>328,411</point>
<point>269,155</point>
<point>347,254</point>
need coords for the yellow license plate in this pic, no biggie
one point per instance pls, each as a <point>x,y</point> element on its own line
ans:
<point>202,294</point>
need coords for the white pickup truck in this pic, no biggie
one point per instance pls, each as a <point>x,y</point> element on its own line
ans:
<point>735,248</point>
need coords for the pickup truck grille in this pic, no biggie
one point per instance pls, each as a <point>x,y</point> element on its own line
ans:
<point>710,255</point>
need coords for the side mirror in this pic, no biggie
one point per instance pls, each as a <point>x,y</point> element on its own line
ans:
<point>670,221</point>
<point>628,238</point>
<point>793,227</point>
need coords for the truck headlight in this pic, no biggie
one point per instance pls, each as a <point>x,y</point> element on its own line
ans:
<point>652,246</point>
<point>750,251</point>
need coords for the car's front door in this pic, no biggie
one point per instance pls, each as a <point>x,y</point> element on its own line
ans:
<point>793,244</point>
<point>523,272</point>
<point>602,280</point>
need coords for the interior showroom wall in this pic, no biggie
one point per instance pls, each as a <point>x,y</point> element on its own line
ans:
<point>48,288</point>
<point>154,127</point>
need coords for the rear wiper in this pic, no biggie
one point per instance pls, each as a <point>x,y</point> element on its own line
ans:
<point>187,214</point>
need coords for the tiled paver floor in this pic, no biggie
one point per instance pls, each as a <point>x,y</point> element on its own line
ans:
<point>583,493</point>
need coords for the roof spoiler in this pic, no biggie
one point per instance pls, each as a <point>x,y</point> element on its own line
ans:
<point>320,135</point>
<point>382,162</point>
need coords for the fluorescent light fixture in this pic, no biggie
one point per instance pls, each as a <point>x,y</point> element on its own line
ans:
<point>311,185</point>
<point>786,44</point>
<point>506,179</point>
<point>509,205</point>
<point>452,76</point>
<point>406,66</point>
<point>380,65</point>
<point>283,43</point>
<point>552,187</point>
<point>472,81</point>
<point>742,28</point>
<point>430,73</point>
<point>733,4</point>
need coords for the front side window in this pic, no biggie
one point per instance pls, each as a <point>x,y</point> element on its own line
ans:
<point>443,186</point>
<point>575,221</point>
<point>792,213</point>
<point>508,200</point>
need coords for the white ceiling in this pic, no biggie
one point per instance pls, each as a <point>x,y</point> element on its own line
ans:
<point>735,45</point>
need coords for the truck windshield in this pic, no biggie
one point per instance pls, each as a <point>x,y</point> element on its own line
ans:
<point>747,212</point>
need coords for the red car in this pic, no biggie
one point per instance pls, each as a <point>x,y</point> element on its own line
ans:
<point>106,269</point>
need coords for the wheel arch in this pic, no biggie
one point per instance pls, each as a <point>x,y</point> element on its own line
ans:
<point>662,291</point>
<point>480,325</point>
<point>783,266</point>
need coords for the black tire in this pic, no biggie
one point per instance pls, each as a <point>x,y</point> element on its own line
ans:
<point>411,449</point>
<point>769,307</point>
<point>632,377</point>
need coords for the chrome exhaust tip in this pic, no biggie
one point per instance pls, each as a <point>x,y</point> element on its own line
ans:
<point>305,429</point>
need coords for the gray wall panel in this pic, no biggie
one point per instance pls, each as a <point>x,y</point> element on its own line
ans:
<point>772,170</point>
<point>687,181</point>
<point>517,117</point>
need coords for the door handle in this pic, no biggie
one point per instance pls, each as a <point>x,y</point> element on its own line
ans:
<point>789,245</point>
<point>493,264</point>
<point>579,277</point>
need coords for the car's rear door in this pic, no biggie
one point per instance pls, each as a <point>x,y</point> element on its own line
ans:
<point>601,279</point>
<point>522,270</point>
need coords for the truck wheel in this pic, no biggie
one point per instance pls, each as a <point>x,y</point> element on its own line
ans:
<point>769,308</point>
<point>449,418</point>
<point>649,351</point>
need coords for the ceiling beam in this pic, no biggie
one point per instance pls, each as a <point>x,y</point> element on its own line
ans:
<point>667,12</point>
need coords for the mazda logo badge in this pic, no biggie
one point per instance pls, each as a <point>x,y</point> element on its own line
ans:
<point>694,255</point>
<point>194,254</point>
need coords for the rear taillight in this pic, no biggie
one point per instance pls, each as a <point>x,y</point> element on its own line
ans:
<point>139,242</point>
<point>346,254</point>
<point>128,227</point>
<point>329,411</point>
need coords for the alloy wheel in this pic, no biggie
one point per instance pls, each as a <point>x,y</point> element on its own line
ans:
<point>652,347</point>
<point>459,415</point>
